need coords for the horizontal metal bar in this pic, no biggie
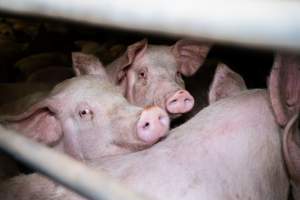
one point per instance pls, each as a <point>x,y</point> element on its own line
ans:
<point>71,173</point>
<point>260,23</point>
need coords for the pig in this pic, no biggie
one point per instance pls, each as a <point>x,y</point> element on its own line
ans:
<point>231,149</point>
<point>151,74</point>
<point>87,118</point>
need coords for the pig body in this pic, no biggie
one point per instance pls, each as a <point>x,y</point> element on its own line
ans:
<point>231,149</point>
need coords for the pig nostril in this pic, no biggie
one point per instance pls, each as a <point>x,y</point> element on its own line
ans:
<point>146,125</point>
<point>180,92</point>
<point>173,101</point>
<point>186,100</point>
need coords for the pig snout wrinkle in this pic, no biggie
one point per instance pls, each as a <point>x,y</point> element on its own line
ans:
<point>153,124</point>
<point>181,102</point>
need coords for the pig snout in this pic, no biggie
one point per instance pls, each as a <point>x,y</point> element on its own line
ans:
<point>181,102</point>
<point>153,124</point>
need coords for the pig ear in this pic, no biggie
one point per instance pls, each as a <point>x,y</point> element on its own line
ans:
<point>85,64</point>
<point>133,52</point>
<point>190,55</point>
<point>291,150</point>
<point>284,87</point>
<point>225,83</point>
<point>38,122</point>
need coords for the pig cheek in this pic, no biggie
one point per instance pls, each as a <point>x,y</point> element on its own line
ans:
<point>141,92</point>
<point>71,139</point>
<point>96,141</point>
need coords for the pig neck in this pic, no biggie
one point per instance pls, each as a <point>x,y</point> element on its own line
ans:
<point>229,150</point>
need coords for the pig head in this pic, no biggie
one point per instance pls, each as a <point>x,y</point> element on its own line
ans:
<point>87,118</point>
<point>152,74</point>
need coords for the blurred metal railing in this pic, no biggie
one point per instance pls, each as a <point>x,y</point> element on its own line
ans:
<point>260,23</point>
<point>61,168</point>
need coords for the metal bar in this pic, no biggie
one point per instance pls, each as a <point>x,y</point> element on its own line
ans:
<point>85,181</point>
<point>260,23</point>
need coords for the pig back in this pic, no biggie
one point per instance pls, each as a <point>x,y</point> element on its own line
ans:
<point>229,150</point>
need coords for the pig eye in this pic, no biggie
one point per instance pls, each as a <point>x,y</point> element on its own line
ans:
<point>86,114</point>
<point>142,74</point>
